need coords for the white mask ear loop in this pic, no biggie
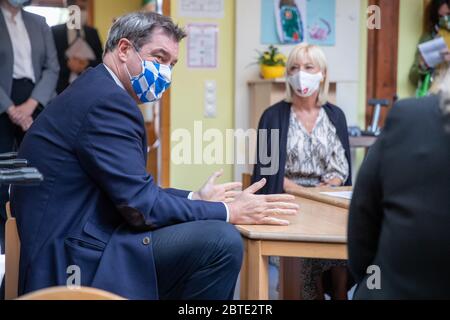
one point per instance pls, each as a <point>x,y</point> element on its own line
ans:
<point>128,71</point>
<point>142,64</point>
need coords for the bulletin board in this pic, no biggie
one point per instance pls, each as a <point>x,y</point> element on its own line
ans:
<point>202,45</point>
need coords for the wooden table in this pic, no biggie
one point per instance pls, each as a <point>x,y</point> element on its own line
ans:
<point>318,231</point>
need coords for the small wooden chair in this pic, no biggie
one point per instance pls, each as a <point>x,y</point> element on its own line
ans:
<point>12,256</point>
<point>66,293</point>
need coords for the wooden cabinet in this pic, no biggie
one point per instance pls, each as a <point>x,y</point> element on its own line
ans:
<point>263,94</point>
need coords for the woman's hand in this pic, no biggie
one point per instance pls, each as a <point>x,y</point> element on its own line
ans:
<point>19,118</point>
<point>218,192</point>
<point>446,55</point>
<point>26,123</point>
<point>335,182</point>
<point>77,65</point>
<point>422,64</point>
<point>26,109</point>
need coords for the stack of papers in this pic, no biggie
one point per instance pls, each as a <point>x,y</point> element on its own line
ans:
<point>340,194</point>
<point>431,51</point>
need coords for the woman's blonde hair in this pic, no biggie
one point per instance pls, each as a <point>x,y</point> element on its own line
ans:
<point>317,57</point>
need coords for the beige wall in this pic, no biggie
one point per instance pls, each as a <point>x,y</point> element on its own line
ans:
<point>106,10</point>
<point>411,17</point>
<point>187,98</point>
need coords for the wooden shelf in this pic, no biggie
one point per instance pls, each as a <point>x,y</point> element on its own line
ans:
<point>261,80</point>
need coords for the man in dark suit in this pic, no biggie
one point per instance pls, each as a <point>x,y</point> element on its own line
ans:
<point>98,219</point>
<point>399,222</point>
<point>65,37</point>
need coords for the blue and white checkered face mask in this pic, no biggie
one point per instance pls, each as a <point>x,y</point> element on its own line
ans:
<point>151,83</point>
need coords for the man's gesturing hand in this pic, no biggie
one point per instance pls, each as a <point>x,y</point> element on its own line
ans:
<point>251,208</point>
<point>218,192</point>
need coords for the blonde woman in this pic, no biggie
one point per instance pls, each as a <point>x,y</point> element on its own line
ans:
<point>313,149</point>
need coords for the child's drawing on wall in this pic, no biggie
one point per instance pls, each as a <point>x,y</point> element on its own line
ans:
<point>290,16</point>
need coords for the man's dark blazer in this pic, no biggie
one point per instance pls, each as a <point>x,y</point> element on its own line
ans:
<point>277,117</point>
<point>98,206</point>
<point>62,44</point>
<point>400,212</point>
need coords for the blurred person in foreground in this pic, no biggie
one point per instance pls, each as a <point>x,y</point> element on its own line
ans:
<point>398,232</point>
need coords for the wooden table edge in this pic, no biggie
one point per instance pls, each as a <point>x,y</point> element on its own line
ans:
<point>262,236</point>
<point>312,194</point>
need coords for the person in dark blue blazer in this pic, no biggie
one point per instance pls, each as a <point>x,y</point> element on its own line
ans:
<point>98,219</point>
<point>303,141</point>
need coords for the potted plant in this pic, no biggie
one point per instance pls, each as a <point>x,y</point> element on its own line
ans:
<point>272,63</point>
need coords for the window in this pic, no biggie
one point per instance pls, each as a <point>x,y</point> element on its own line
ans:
<point>55,11</point>
<point>53,15</point>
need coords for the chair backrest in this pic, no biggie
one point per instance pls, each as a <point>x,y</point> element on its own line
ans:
<point>66,293</point>
<point>12,256</point>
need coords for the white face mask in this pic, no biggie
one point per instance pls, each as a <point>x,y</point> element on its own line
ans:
<point>305,84</point>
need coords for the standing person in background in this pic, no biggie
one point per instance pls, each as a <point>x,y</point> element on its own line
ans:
<point>72,67</point>
<point>438,23</point>
<point>28,75</point>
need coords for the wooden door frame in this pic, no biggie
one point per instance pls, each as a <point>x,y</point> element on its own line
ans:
<point>382,56</point>
<point>90,19</point>
<point>165,124</point>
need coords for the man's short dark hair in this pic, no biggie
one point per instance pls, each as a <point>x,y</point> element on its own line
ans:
<point>138,28</point>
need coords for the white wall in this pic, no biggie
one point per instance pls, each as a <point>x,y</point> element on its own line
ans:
<point>343,58</point>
